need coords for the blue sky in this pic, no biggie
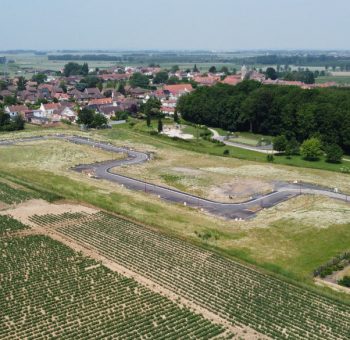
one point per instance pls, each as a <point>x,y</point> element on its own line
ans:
<point>176,24</point>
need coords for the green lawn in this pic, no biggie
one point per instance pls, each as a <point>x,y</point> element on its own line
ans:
<point>140,133</point>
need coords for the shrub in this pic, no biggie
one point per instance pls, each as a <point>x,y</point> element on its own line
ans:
<point>345,281</point>
<point>334,153</point>
<point>270,158</point>
<point>311,149</point>
<point>280,143</point>
<point>66,121</point>
<point>292,147</point>
<point>226,152</point>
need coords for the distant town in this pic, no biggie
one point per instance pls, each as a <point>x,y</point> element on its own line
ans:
<point>50,97</point>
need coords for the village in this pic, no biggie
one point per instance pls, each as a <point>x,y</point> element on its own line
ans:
<point>58,98</point>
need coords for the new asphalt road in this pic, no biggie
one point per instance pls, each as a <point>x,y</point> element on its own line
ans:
<point>244,210</point>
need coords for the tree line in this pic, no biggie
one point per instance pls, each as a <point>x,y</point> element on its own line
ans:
<point>273,110</point>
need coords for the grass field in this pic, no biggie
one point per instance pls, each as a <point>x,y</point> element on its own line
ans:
<point>340,79</point>
<point>139,133</point>
<point>276,239</point>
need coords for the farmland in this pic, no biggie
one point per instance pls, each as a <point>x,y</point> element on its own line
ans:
<point>51,291</point>
<point>237,293</point>
<point>9,225</point>
<point>282,237</point>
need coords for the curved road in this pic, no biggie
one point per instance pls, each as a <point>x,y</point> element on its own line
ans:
<point>262,149</point>
<point>244,210</point>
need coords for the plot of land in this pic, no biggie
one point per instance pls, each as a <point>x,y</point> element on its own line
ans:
<point>236,293</point>
<point>51,291</point>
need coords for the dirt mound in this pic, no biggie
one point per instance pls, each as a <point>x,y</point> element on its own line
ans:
<point>239,190</point>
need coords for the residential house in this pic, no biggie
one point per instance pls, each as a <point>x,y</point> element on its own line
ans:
<point>206,80</point>
<point>176,91</point>
<point>232,80</point>
<point>48,109</point>
<point>92,93</point>
<point>15,110</point>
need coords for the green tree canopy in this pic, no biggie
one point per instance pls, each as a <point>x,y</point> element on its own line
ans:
<point>280,143</point>
<point>99,121</point>
<point>212,69</point>
<point>40,78</point>
<point>86,117</point>
<point>73,69</point>
<point>271,73</point>
<point>139,80</point>
<point>334,153</point>
<point>311,149</point>
<point>161,77</point>
<point>21,83</point>
<point>151,107</point>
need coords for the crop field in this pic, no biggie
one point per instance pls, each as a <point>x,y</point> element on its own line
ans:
<point>8,225</point>
<point>237,293</point>
<point>50,291</point>
<point>10,195</point>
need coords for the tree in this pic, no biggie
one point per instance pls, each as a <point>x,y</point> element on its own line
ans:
<point>176,117</point>
<point>4,118</point>
<point>18,123</point>
<point>99,121</point>
<point>225,70</point>
<point>10,100</point>
<point>292,148</point>
<point>271,73</point>
<point>73,69</point>
<point>161,77</point>
<point>151,107</point>
<point>309,77</point>
<point>121,88</point>
<point>148,120</point>
<point>212,69</point>
<point>63,86</point>
<point>175,68</point>
<point>3,85</point>
<point>173,80</point>
<point>280,143</point>
<point>334,153</point>
<point>40,78</point>
<point>85,69</point>
<point>139,80</point>
<point>90,81</point>
<point>21,84</point>
<point>6,124</point>
<point>311,149</point>
<point>160,125</point>
<point>86,117</point>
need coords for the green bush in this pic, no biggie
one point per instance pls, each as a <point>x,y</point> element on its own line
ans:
<point>311,149</point>
<point>280,143</point>
<point>345,281</point>
<point>334,153</point>
<point>270,158</point>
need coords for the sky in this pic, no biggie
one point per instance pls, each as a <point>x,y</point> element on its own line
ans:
<point>177,24</point>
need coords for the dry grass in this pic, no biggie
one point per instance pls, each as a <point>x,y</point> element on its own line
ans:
<point>297,235</point>
<point>52,155</point>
